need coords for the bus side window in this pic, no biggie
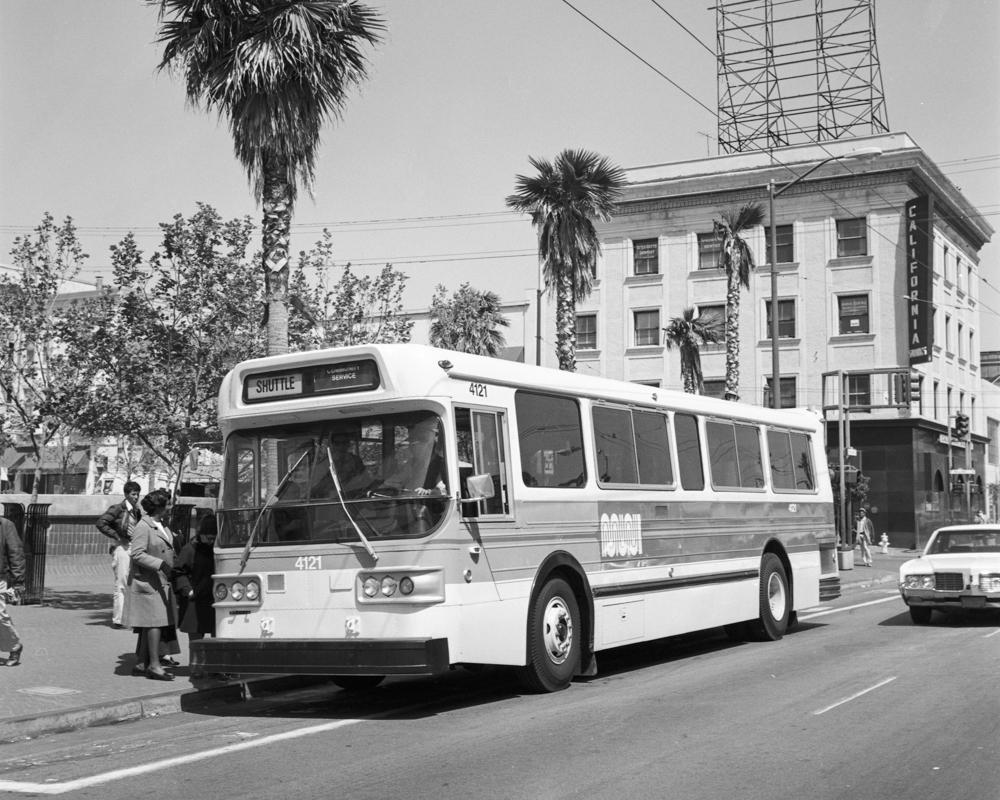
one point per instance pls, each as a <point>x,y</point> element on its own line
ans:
<point>479,435</point>
<point>550,438</point>
<point>688,451</point>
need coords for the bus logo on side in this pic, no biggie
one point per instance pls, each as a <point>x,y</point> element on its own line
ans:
<point>621,535</point>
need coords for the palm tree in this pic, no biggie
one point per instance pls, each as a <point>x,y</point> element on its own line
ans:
<point>469,322</point>
<point>277,71</point>
<point>688,333</point>
<point>736,260</point>
<point>564,200</point>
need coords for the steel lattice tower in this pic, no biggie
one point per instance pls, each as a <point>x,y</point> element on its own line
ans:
<point>796,71</point>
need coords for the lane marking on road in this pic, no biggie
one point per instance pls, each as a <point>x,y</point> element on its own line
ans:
<point>988,635</point>
<point>854,696</point>
<point>154,766</point>
<point>803,618</point>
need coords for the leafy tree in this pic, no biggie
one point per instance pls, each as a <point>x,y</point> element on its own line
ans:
<point>688,333</point>
<point>469,322</point>
<point>357,309</point>
<point>564,199</point>
<point>157,345</point>
<point>277,71</point>
<point>40,386</point>
<point>737,262</point>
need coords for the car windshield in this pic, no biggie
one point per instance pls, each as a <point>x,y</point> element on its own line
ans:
<point>388,473</point>
<point>971,540</point>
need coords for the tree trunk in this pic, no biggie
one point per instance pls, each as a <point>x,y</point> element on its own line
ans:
<point>276,233</point>
<point>733,336</point>
<point>566,321</point>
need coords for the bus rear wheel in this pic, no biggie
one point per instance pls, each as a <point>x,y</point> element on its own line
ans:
<point>357,683</point>
<point>775,601</point>
<point>553,638</point>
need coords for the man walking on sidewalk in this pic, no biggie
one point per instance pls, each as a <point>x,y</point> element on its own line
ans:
<point>11,579</point>
<point>116,523</point>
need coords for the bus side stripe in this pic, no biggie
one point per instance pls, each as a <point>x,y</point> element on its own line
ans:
<point>618,589</point>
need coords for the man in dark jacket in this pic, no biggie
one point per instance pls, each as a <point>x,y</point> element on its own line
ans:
<point>11,579</point>
<point>116,523</point>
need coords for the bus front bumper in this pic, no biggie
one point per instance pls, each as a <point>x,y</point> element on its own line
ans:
<point>321,656</point>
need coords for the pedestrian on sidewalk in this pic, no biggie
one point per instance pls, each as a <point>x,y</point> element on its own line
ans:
<point>117,523</point>
<point>865,533</point>
<point>193,581</point>
<point>11,580</point>
<point>150,608</point>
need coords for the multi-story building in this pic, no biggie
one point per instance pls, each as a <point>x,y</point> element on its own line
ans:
<point>845,299</point>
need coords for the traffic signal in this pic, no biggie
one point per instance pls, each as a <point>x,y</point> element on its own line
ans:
<point>915,379</point>
<point>961,429</point>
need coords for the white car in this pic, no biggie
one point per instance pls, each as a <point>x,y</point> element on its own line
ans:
<point>959,569</point>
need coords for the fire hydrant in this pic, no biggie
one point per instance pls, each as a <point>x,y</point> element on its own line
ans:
<point>884,542</point>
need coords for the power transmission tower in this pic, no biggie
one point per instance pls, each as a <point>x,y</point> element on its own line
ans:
<point>794,72</point>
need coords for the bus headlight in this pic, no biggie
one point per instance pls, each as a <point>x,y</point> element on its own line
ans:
<point>253,590</point>
<point>401,585</point>
<point>236,590</point>
<point>221,592</point>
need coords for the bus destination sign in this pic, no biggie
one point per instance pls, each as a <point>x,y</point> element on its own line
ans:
<point>347,376</point>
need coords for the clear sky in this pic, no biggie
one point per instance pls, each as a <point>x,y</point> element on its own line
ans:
<point>461,93</point>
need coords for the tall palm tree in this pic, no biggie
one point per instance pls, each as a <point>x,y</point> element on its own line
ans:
<point>736,260</point>
<point>688,333</point>
<point>277,71</point>
<point>564,200</point>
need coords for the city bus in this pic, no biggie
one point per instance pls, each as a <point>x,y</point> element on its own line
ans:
<point>404,510</point>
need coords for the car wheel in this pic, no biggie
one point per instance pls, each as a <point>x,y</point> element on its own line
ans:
<point>553,639</point>
<point>775,601</point>
<point>921,615</point>
<point>357,683</point>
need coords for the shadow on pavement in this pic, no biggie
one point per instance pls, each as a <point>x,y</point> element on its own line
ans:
<point>78,600</point>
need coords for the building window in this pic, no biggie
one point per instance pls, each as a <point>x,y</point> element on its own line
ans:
<point>715,387</point>
<point>944,263</point>
<point>647,328</point>
<point>993,446</point>
<point>586,331</point>
<point>646,256</point>
<point>853,312</point>
<point>961,340</point>
<point>852,237</point>
<point>859,391</point>
<point>786,319</point>
<point>937,388</point>
<point>947,333</point>
<point>709,250</point>
<point>788,398</point>
<point>783,237</point>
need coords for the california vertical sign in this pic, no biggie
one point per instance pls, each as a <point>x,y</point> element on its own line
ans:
<point>920,277</point>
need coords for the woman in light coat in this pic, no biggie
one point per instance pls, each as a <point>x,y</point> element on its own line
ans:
<point>150,607</point>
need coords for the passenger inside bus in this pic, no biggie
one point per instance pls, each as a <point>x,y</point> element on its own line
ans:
<point>352,474</point>
<point>419,465</point>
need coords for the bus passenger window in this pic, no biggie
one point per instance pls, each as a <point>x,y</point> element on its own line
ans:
<point>780,452</point>
<point>734,455</point>
<point>550,439</point>
<point>614,446</point>
<point>749,455</point>
<point>652,446</point>
<point>479,436</point>
<point>802,463</point>
<point>688,451</point>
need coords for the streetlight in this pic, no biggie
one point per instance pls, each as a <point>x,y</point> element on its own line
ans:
<point>773,192</point>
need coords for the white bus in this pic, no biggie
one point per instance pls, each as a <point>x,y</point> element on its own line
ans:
<point>399,510</point>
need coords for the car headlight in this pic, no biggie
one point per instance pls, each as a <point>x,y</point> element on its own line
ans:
<point>989,583</point>
<point>918,582</point>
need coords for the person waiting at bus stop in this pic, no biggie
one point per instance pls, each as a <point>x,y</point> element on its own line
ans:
<point>11,579</point>
<point>116,523</point>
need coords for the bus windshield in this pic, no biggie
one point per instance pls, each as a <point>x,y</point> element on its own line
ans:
<point>313,482</point>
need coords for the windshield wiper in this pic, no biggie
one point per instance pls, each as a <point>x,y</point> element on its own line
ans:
<point>340,496</point>
<point>270,502</point>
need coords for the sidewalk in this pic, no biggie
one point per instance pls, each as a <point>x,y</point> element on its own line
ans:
<point>75,671</point>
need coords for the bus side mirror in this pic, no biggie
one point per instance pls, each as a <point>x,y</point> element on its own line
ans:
<point>479,487</point>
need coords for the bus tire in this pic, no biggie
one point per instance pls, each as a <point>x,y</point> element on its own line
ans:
<point>921,615</point>
<point>554,630</point>
<point>775,601</point>
<point>357,683</point>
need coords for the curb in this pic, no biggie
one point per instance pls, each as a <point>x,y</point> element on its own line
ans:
<point>131,709</point>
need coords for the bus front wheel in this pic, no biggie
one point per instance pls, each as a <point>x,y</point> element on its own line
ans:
<point>553,638</point>
<point>775,601</point>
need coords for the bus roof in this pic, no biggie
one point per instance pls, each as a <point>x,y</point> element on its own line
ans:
<point>414,370</point>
